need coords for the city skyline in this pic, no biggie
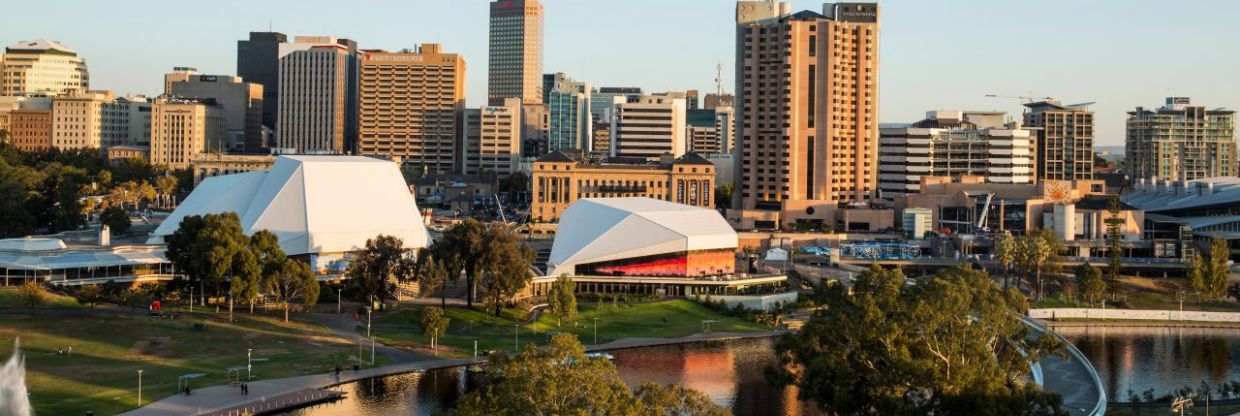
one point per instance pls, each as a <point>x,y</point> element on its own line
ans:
<point>928,62</point>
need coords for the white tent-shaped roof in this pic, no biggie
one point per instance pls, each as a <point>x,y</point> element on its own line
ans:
<point>602,229</point>
<point>314,204</point>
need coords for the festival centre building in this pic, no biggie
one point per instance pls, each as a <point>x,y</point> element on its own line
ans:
<point>321,207</point>
<point>646,245</point>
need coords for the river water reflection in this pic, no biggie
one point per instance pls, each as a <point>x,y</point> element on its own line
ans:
<point>730,372</point>
<point>1159,358</point>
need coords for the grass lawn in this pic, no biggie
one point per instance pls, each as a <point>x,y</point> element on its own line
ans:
<point>662,319</point>
<point>9,299</point>
<point>101,374</point>
<point>1147,293</point>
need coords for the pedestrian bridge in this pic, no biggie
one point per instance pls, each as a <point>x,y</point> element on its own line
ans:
<point>1074,377</point>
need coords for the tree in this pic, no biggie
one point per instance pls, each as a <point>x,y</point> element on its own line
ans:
<point>1090,280</point>
<point>116,219</point>
<point>1196,274</point>
<point>1005,255</point>
<point>204,248</point>
<point>32,294</point>
<point>1217,269</point>
<point>434,324</point>
<point>561,301</point>
<point>57,203</point>
<point>506,267</point>
<point>723,196</point>
<point>514,184</point>
<point>165,186</point>
<point>560,380</point>
<point>246,279</point>
<point>433,275</point>
<point>268,257</point>
<point>1115,225</point>
<point>674,400</point>
<point>377,268</point>
<point>89,295</point>
<point>461,249</point>
<point>945,344</point>
<point>1038,253</point>
<point>293,281</point>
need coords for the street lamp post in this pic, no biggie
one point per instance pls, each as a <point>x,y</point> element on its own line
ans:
<point>516,338</point>
<point>372,350</point>
<point>249,352</point>
<point>139,388</point>
<point>338,292</point>
<point>368,310</point>
<point>596,330</point>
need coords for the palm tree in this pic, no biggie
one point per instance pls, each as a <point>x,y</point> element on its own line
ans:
<point>1005,254</point>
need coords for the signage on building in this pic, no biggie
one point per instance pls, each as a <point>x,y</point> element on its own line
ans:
<point>207,78</point>
<point>856,12</point>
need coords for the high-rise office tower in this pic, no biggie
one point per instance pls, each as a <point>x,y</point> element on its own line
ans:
<point>568,103</point>
<point>710,131</point>
<point>42,67</point>
<point>515,67</point>
<point>806,108</point>
<point>242,103</point>
<point>1180,142</point>
<point>1065,139</point>
<point>317,99</point>
<point>258,61</point>
<point>182,128</point>
<point>649,128</point>
<point>492,139</point>
<point>411,106</point>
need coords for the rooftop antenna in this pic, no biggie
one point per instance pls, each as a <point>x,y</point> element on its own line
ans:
<point>268,24</point>
<point>719,79</point>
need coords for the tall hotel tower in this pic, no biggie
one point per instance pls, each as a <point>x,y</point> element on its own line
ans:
<point>806,111</point>
<point>515,69</point>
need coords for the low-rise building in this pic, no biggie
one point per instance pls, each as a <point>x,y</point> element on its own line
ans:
<point>561,178</point>
<point>30,130</point>
<point>206,165</point>
<point>953,144</point>
<point>124,152</point>
<point>1076,211</point>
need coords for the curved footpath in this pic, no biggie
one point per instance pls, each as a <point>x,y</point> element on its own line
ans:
<point>224,398</point>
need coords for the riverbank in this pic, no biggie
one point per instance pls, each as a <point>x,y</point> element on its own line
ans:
<point>224,397</point>
<point>1078,323</point>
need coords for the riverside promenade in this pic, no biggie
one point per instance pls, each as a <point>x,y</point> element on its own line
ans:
<point>223,398</point>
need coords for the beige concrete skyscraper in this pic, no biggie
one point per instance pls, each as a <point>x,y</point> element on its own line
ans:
<point>1065,139</point>
<point>78,120</point>
<point>182,128</point>
<point>42,67</point>
<point>241,101</point>
<point>492,139</point>
<point>410,106</point>
<point>1180,142</point>
<point>317,95</point>
<point>807,111</point>
<point>515,67</point>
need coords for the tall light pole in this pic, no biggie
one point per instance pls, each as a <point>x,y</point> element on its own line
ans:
<point>372,350</point>
<point>338,292</point>
<point>596,330</point>
<point>516,338</point>
<point>139,388</point>
<point>368,310</point>
<point>248,363</point>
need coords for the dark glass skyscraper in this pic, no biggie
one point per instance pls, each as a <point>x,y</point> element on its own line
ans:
<point>258,61</point>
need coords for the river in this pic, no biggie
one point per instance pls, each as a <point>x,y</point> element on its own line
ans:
<point>730,372</point>
<point>1161,358</point>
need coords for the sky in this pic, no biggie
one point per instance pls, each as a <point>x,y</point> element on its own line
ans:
<point>941,54</point>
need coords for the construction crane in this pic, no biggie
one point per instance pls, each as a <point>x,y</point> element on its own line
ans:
<point>1022,98</point>
<point>981,222</point>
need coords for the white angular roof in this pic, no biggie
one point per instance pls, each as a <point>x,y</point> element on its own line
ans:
<point>314,204</point>
<point>601,229</point>
<point>39,45</point>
